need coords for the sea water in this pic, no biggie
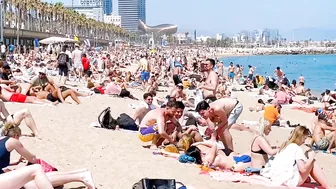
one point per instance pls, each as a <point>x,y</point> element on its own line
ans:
<point>319,71</point>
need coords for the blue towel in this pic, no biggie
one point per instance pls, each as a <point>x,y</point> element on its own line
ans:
<point>184,158</point>
<point>243,159</point>
<point>252,170</point>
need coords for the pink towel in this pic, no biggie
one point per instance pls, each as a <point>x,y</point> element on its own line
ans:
<point>252,179</point>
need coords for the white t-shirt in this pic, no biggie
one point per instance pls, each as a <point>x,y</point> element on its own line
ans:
<point>77,56</point>
<point>284,169</point>
<point>3,48</point>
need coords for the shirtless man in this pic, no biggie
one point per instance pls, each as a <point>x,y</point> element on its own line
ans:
<point>178,93</point>
<point>323,141</point>
<point>300,90</point>
<point>56,96</point>
<point>145,108</point>
<point>231,72</point>
<point>145,70</point>
<point>210,85</point>
<point>7,95</point>
<point>221,115</point>
<point>279,73</point>
<point>153,126</point>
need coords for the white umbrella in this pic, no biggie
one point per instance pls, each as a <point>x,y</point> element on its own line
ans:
<point>51,40</point>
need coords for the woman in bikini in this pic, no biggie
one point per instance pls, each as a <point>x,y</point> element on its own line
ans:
<point>208,154</point>
<point>10,141</point>
<point>260,147</point>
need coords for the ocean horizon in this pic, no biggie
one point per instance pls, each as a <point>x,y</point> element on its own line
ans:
<point>318,70</point>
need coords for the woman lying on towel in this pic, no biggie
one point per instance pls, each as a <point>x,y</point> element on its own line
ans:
<point>208,154</point>
<point>284,172</point>
<point>10,141</point>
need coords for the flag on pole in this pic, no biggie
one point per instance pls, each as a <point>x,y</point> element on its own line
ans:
<point>76,38</point>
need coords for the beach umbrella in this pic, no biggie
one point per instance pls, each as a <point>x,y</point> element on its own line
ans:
<point>51,40</point>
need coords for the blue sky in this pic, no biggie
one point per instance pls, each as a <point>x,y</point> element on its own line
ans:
<point>231,16</point>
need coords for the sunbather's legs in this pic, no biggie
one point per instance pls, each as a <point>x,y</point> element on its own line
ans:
<point>71,93</point>
<point>3,109</point>
<point>34,100</point>
<point>60,178</point>
<point>317,174</point>
<point>332,141</point>
<point>25,115</point>
<point>18,178</point>
<point>25,88</point>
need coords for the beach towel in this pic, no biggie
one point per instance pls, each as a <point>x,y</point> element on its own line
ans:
<point>251,179</point>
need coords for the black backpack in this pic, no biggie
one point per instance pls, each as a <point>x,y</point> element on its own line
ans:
<point>62,59</point>
<point>146,183</point>
<point>126,122</point>
<point>106,120</point>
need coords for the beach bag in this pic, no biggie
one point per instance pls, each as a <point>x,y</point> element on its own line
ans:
<point>106,120</point>
<point>126,122</point>
<point>62,59</point>
<point>146,183</point>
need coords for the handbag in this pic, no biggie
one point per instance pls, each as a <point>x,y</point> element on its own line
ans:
<point>147,183</point>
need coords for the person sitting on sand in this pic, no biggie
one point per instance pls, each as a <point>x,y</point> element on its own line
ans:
<point>153,126</point>
<point>17,117</point>
<point>10,141</point>
<point>322,140</point>
<point>145,107</point>
<point>54,96</point>
<point>209,155</point>
<point>43,81</point>
<point>283,98</point>
<point>190,130</point>
<point>7,95</point>
<point>291,167</point>
<point>260,147</point>
<point>221,115</point>
<point>327,99</point>
<point>115,89</point>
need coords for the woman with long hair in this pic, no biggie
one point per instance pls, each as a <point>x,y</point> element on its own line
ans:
<point>10,141</point>
<point>292,167</point>
<point>260,146</point>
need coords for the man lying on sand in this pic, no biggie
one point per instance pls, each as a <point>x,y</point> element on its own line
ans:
<point>7,95</point>
<point>221,115</point>
<point>153,126</point>
<point>55,96</point>
<point>322,140</point>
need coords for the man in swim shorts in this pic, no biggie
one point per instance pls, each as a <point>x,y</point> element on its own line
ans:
<point>221,115</point>
<point>322,140</point>
<point>153,126</point>
<point>231,72</point>
<point>7,95</point>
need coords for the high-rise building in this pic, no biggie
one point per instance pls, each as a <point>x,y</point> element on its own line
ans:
<point>108,7</point>
<point>131,11</point>
<point>142,10</point>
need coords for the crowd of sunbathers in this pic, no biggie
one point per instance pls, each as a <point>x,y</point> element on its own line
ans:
<point>172,122</point>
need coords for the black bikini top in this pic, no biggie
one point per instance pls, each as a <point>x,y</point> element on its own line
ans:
<point>261,151</point>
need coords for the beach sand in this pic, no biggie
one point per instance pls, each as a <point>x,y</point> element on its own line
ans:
<point>117,158</point>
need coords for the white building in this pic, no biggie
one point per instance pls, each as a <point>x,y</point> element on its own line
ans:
<point>219,36</point>
<point>96,13</point>
<point>181,37</point>
<point>112,19</point>
<point>202,38</point>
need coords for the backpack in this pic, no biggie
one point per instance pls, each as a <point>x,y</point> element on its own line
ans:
<point>146,183</point>
<point>126,122</point>
<point>106,120</point>
<point>62,59</point>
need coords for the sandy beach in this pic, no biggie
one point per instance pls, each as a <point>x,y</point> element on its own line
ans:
<point>117,158</point>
